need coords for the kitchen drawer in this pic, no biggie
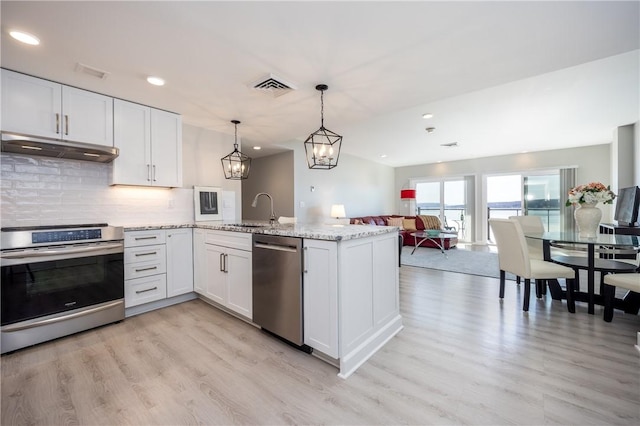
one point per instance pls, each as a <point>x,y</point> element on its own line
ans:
<point>144,238</point>
<point>145,290</point>
<point>237,240</point>
<point>155,253</point>
<point>144,269</point>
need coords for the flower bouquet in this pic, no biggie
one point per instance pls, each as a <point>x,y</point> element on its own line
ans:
<point>591,193</point>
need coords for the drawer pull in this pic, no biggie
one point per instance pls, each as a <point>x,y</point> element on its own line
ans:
<point>146,254</point>
<point>147,269</point>
<point>153,237</point>
<point>144,291</point>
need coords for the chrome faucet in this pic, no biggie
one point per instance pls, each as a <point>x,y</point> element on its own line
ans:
<point>272,219</point>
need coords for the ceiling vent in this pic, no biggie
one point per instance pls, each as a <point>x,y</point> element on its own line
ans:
<point>93,72</point>
<point>450,145</point>
<point>273,85</point>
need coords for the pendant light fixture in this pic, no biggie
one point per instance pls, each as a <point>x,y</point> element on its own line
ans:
<point>322,147</point>
<point>236,165</point>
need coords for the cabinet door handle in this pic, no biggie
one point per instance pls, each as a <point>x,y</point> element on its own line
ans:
<point>57,122</point>
<point>154,173</point>
<point>225,263</point>
<point>66,124</point>
<point>149,172</point>
<point>144,291</point>
<point>147,269</point>
<point>146,238</point>
<point>304,260</point>
<point>222,262</point>
<point>146,254</point>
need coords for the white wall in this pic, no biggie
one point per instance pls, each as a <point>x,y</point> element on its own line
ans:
<point>364,187</point>
<point>50,191</point>
<point>622,158</point>
<point>592,162</point>
<point>202,150</point>
<point>636,153</point>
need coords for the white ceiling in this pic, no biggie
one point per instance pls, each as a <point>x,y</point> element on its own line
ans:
<point>500,77</point>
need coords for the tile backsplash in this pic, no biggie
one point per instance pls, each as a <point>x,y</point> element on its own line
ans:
<point>50,191</point>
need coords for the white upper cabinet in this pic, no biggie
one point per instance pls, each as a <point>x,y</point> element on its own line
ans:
<point>150,143</point>
<point>132,136</point>
<point>87,116</point>
<point>38,107</point>
<point>166,148</point>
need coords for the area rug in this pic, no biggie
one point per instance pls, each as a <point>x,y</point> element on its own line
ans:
<point>456,260</point>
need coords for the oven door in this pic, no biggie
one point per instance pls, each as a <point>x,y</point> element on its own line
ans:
<point>44,281</point>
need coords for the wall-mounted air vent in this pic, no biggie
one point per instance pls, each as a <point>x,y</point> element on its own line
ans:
<point>273,85</point>
<point>450,145</point>
<point>93,72</point>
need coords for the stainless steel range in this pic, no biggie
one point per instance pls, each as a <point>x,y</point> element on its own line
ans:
<point>59,280</point>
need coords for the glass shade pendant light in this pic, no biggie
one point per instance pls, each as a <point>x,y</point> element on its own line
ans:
<point>236,165</point>
<point>322,147</point>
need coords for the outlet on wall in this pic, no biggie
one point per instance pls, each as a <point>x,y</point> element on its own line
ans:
<point>172,203</point>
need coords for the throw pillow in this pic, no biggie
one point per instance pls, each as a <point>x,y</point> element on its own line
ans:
<point>358,222</point>
<point>409,224</point>
<point>395,221</point>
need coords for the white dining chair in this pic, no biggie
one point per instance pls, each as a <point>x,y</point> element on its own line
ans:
<point>513,256</point>
<point>611,281</point>
<point>532,224</point>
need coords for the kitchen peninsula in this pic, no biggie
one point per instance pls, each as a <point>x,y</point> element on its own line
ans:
<point>350,282</point>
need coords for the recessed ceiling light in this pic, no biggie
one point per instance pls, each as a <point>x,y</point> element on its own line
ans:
<point>383,155</point>
<point>25,37</point>
<point>156,81</point>
<point>427,115</point>
<point>257,148</point>
<point>430,129</point>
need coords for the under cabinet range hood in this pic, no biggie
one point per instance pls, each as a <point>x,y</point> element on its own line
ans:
<point>31,145</point>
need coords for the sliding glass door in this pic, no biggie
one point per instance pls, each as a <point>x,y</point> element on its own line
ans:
<point>528,193</point>
<point>542,198</point>
<point>445,199</point>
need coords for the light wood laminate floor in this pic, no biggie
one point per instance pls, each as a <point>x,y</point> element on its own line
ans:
<point>463,357</point>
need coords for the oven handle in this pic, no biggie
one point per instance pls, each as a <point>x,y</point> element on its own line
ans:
<point>44,253</point>
<point>19,327</point>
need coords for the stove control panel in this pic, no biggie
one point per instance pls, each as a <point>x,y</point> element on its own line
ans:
<point>68,235</point>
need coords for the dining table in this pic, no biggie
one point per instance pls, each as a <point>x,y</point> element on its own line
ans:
<point>591,254</point>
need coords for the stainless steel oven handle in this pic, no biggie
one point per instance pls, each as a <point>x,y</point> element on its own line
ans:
<point>12,328</point>
<point>55,252</point>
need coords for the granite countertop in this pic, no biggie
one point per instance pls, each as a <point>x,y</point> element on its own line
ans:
<point>311,231</point>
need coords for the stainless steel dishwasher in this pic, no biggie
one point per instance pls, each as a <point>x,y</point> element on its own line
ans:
<point>277,286</point>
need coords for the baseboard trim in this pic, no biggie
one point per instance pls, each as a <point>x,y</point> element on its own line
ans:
<point>158,304</point>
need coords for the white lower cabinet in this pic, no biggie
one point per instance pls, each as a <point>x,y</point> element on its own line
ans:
<point>351,297</point>
<point>199,262</point>
<point>138,291</point>
<point>179,261</point>
<point>320,296</point>
<point>158,264</point>
<point>223,269</point>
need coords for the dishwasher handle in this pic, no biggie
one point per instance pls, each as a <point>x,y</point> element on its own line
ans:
<point>290,249</point>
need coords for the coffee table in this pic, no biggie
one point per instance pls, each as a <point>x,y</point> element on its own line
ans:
<point>437,239</point>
